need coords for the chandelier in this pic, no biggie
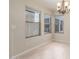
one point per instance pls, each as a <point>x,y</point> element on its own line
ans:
<point>63,7</point>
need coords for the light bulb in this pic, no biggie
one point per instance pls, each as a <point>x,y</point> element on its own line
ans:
<point>58,8</point>
<point>68,7</point>
<point>58,4</point>
<point>66,4</point>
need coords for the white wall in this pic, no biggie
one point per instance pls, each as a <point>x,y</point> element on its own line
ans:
<point>64,37</point>
<point>18,42</point>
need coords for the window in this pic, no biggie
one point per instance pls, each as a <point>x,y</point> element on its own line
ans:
<point>47,24</point>
<point>32,23</point>
<point>59,23</point>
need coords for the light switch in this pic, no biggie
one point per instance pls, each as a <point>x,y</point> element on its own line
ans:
<point>13,27</point>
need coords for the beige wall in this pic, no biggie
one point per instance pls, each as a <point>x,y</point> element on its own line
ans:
<point>18,42</point>
<point>64,37</point>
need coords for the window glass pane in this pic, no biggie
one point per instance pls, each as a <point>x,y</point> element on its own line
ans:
<point>36,28</point>
<point>36,17</point>
<point>56,25</point>
<point>46,28</point>
<point>47,20</point>
<point>32,16</point>
<point>61,26</point>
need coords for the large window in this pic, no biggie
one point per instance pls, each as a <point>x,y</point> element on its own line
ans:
<point>32,23</point>
<point>47,24</point>
<point>59,24</point>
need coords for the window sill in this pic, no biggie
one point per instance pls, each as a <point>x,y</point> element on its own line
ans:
<point>31,36</point>
<point>47,32</point>
<point>59,32</point>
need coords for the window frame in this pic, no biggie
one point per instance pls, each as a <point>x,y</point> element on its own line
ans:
<point>33,10</point>
<point>59,25</point>
<point>47,24</point>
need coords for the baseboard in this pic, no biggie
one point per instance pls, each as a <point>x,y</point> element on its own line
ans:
<point>29,50</point>
<point>61,41</point>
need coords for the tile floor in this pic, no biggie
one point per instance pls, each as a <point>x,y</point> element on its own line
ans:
<point>51,51</point>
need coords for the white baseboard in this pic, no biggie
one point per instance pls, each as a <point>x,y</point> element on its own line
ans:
<point>29,50</point>
<point>61,41</point>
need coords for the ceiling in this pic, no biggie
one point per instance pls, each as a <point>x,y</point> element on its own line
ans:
<point>49,4</point>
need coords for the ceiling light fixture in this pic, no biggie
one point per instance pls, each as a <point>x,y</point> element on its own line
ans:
<point>63,7</point>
